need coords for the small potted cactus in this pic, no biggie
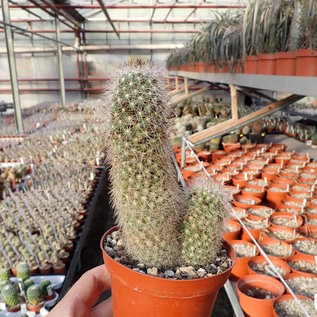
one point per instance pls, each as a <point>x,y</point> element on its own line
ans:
<point>166,257</point>
<point>10,296</point>
<point>23,271</point>
<point>46,290</point>
<point>34,299</point>
<point>314,139</point>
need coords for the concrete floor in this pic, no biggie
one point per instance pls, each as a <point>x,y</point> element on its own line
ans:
<point>292,144</point>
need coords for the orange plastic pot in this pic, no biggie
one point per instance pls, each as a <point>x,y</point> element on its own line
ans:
<point>255,232</point>
<point>267,64</point>
<point>241,179</point>
<point>286,297</point>
<point>240,269</point>
<point>274,198</point>
<point>309,231</point>
<point>287,215</point>
<point>312,256</point>
<point>238,203</point>
<point>260,207</point>
<point>306,62</point>
<point>285,64</point>
<point>298,274</point>
<point>265,240</point>
<point>259,191</point>
<point>204,156</point>
<point>201,67</point>
<point>140,295</point>
<point>251,65</point>
<point>261,260</point>
<point>255,307</point>
<point>231,147</point>
<point>301,257</point>
<point>228,235</point>
<point>217,155</point>
<point>275,229</point>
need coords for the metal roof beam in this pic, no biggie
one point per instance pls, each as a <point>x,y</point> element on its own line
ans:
<point>103,8</point>
<point>190,14</point>
<point>27,10</point>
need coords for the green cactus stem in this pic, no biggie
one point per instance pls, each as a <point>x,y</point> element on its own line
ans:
<point>10,295</point>
<point>28,283</point>
<point>5,274</point>
<point>33,295</point>
<point>207,205</point>
<point>43,287</point>
<point>23,271</point>
<point>145,193</point>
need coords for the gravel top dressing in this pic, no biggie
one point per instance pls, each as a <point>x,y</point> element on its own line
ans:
<point>306,286</point>
<point>306,246</point>
<point>303,266</point>
<point>261,212</point>
<point>279,250</point>
<point>277,189</point>
<point>229,228</point>
<point>265,268</point>
<point>255,224</point>
<point>113,245</point>
<point>285,221</point>
<point>289,308</point>
<point>259,293</point>
<point>244,250</point>
<point>283,235</point>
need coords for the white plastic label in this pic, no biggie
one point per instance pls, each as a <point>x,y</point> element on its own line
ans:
<point>21,160</point>
<point>37,125</point>
<point>315,301</point>
<point>91,176</point>
<point>97,161</point>
<point>23,309</point>
<point>49,290</point>
<point>316,259</point>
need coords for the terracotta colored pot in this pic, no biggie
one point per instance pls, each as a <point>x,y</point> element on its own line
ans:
<point>224,179</point>
<point>255,232</point>
<point>284,298</point>
<point>266,241</point>
<point>287,215</point>
<point>231,147</point>
<point>267,64</point>
<point>241,179</point>
<point>282,161</point>
<point>276,262</point>
<point>211,68</point>
<point>300,194</point>
<point>308,231</point>
<point>190,67</point>
<point>312,256</point>
<point>259,191</point>
<point>35,308</point>
<point>187,173</point>
<point>275,229</point>
<point>233,190</point>
<point>258,182</point>
<point>201,67</point>
<point>228,235</point>
<point>297,274</point>
<point>205,156</point>
<point>297,204</point>
<point>240,212</point>
<point>269,175</point>
<point>285,64</point>
<point>240,269</point>
<point>217,155</point>
<point>275,198</point>
<point>13,309</point>
<point>306,62</point>
<point>259,207</point>
<point>247,146</point>
<point>238,203</point>
<point>255,307</point>
<point>251,65</point>
<point>137,295</point>
<point>46,270</point>
<point>300,257</point>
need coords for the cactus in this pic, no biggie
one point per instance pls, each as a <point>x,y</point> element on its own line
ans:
<point>33,295</point>
<point>43,287</point>
<point>3,283</point>
<point>28,283</point>
<point>5,274</point>
<point>207,205</point>
<point>10,295</point>
<point>23,271</point>
<point>145,193</point>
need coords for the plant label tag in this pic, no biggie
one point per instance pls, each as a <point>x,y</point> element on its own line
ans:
<point>85,126</point>
<point>21,160</point>
<point>287,188</point>
<point>316,259</point>
<point>37,125</point>
<point>245,176</point>
<point>49,290</point>
<point>97,161</point>
<point>54,150</point>
<point>23,309</point>
<point>91,176</point>
<point>315,301</point>
<point>3,306</point>
<point>304,202</point>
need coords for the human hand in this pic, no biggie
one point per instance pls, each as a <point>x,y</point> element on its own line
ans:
<point>81,298</point>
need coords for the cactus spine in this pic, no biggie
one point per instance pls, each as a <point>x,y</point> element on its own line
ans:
<point>23,271</point>
<point>33,295</point>
<point>207,205</point>
<point>10,295</point>
<point>145,193</point>
<point>5,274</point>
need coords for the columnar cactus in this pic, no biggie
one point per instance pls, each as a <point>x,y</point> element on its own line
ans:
<point>157,227</point>
<point>23,271</point>
<point>10,295</point>
<point>33,295</point>
<point>145,193</point>
<point>207,204</point>
<point>5,274</point>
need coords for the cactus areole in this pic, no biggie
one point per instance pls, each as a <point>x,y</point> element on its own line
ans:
<point>161,225</point>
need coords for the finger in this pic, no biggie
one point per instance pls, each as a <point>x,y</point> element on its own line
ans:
<point>89,287</point>
<point>103,309</point>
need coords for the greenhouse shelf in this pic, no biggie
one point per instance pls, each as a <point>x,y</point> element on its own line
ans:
<point>305,86</point>
<point>75,264</point>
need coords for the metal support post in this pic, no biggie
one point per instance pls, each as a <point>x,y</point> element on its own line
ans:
<point>12,66</point>
<point>60,62</point>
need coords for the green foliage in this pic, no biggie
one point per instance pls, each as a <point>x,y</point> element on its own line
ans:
<point>5,274</point>
<point>33,295</point>
<point>23,271</point>
<point>10,295</point>
<point>206,204</point>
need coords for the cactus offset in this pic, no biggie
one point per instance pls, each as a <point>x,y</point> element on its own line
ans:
<point>207,204</point>
<point>33,295</point>
<point>10,295</point>
<point>5,274</point>
<point>23,271</point>
<point>27,283</point>
<point>43,287</point>
<point>145,193</point>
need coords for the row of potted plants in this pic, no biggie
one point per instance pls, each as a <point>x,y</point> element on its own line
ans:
<point>275,197</point>
<point>272,38</point>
